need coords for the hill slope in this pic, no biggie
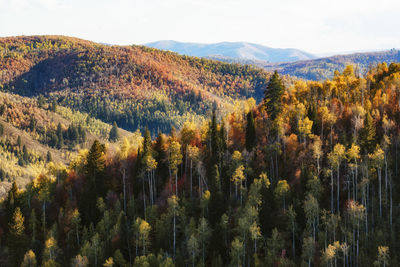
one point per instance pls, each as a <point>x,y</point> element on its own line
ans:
<point>323,68</point>
<point>233,50</point>
<point>132,85</point>
<point>28,132</point>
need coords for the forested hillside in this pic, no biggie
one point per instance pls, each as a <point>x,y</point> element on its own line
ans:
<point>133,86</point>
<point>323,68</point>
<point>307,178</point>
<point>36,134</point>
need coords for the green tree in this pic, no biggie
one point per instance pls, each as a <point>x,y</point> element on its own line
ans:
<point>274,246</point>
<point>19,142</point>
<point>311,210</point>
<point>60,136</point>
<point>368,135</point>
<point>32,124</point>
<point>17,238</point>
<point>273,93</point>
<point>174,159</point>
<point>251,140</point>
<point>75,221</point>
<point>114,136</point>
<point>53,106</point>
<point>292,226</point>
<point>308,249</point>
<point>193,248</point>
<point>204,234</point>
<point>95,184</point>
<point>49,158</point>
<point>236,252</point>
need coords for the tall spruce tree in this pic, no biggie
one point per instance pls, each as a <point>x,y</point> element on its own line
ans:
<point>17,239</point>
<point>95,183</point>
<point>368,135</point>
<point>60,136</point>
<point>114,136</point>
<point>273,94</point>
<point>215,144</point>
<point>250,132</point>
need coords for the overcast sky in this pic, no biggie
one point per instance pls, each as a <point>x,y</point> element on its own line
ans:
<point>316,26</point>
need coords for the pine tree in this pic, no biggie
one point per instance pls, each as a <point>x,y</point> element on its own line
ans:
<point>60,137</point>
<point>215,142</point>
<point>32,124</point>
<point>12,201</point>
<point>19,142</point>
<point>146,143</point>
<point>17,238</point>
<point>95,184</point>
<point>250,132</point>
<point>49,157</point>
<point>193,248</point>
<point>53,106</point>
<point>368,135</point>
<point>204,234</point>
<point>174,160</point>
<point>114,136</point>
<point>25,154</point>
<point>273,94</point>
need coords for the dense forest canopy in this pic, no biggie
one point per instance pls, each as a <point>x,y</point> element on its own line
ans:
<point>133,86</point>
<point>307,177</point>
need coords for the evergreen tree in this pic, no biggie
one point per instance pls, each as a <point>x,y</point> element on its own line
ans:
<point>32,124</point>
<point>114,136</point>
<point>2,109</point>
<point>368,135</point>
<point>147,146</point>
<point>49,158</point>
<point>251,141</point>
<point>215,142</point>
<point>273,94</point>
<point>95,183</point>
<point>25,154</point>
<point>17,238</point>
<point>53,106</point>
<point>12,201</point>
<point>60,137</point>
<point>19,142</point>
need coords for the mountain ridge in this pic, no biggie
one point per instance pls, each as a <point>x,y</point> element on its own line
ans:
<point>241,50</point>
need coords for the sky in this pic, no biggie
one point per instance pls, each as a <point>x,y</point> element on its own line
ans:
<point>316,26</point>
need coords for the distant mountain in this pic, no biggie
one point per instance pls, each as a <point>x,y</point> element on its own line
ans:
<point>323,68</point>
<point>233,50</point>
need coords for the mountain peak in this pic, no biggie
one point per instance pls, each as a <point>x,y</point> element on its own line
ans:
<point>235,50</point>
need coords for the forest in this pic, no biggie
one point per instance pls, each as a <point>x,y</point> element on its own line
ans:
<point>134,86</point>
<point>308,177</point>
